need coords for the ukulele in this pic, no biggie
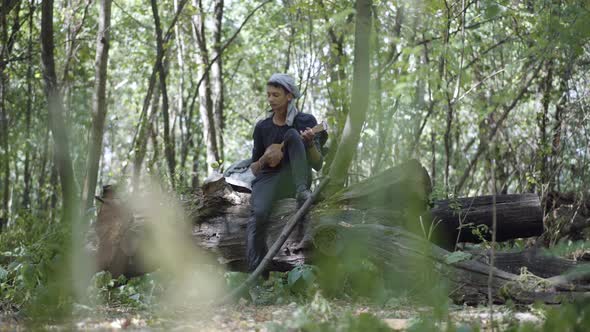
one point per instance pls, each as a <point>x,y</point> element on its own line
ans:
<point>322,126</point>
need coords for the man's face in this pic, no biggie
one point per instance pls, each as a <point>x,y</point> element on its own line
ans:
<point>277,98</point>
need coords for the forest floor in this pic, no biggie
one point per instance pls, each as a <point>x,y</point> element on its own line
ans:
<point>286,317</point>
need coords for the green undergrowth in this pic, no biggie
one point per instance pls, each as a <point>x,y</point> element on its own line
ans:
<point>31,284</point>
<point>33,265</point>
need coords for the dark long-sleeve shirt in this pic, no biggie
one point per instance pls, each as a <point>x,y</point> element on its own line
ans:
<point>267,133</point>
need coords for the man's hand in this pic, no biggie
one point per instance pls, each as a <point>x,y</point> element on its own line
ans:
<point>307,135</point>
<point>273,155</point>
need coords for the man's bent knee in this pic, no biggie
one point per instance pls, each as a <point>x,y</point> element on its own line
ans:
<point>292,135</point>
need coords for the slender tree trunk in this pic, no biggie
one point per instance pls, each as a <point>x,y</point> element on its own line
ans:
<point>99,103</point>
<point>378,110</point>
<point>195,167</point>
<point>291,38</point>
<point>360,96</point>
<point>56,112</point>
<point>205,98</point>
<point>140,139</point>
<point>41,200</point>
<point>560,109</point>
<point>27,171</point>
<point>180,101</point>
<point>168,142</point>
<point>72,29</point>
<point>140,146</point>
<point>68,11</point>
<point>448,143</point>
<point>143,136</point>
<point>52,198</point>
<point>5,156</point>
<point>542,121</point>
<point>217,77</point>
<point>5,118</point>
<point>433,162</point>
<point>153,137</point>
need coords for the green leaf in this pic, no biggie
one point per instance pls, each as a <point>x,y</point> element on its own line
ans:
<point>3,273</point>
<point>341,17</point>
<point>235,279</point>
<point>492,10</point>
<point>294,275</point>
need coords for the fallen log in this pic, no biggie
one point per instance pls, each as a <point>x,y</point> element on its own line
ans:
<point>470,219</point>
<point>115,237</point>
<point>402,252</point>
<point>368,214</point>
<point>221,217</point>
<point>535,260</point>
<point>335,232</point>
<point>220,214</point>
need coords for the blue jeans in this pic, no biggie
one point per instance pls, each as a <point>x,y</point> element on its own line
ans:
<point>270,185</point>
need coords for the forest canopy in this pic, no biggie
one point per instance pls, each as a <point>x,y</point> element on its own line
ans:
<point>452,83</point>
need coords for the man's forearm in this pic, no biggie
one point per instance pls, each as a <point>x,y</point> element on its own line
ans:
<point>314,156</point>
<point>258,165</point>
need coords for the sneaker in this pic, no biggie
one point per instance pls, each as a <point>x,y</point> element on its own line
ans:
<point>302,197</point>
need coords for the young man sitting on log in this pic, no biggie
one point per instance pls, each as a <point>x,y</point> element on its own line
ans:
<point>285,149</point>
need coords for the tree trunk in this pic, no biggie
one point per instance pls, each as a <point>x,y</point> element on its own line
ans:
<point>542,152</point>
<point>52,197</point>
<point>217,77</point>
<point>56,112</point>
<point>168,141</point>
<point>560,110</point>
<point>27,171</point>
<point>184,122</point>
<point>205,97</point>
<point>4,118</point>
<point>360,97</point>
<point>5,148</point>
<point>140,139</point>
<point>99,103</point>
<point>41,201</point>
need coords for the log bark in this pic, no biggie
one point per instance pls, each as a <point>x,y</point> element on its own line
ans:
<point>536,261</point>
<point>519,216</point>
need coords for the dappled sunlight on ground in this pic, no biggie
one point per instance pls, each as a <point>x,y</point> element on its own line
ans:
<point>248,317</point>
